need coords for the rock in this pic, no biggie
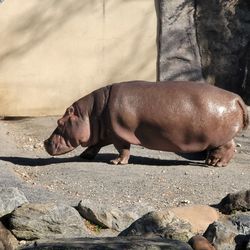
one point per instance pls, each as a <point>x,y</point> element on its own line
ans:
<point>127,243</point>
<point>199,216</point>
<point>10,198</point>
<point>105,217</point>
<point>7,240</point>
<point>160,223</point>
<point>232,232</point>
<point>35,221</point>
<point>199,242</point>
<point>206,40</point>
<point>222,235</point>
<point>242,222</point>
<point>179,57</point>
<point>223,37</point>
<point>239,201</point>
<point>248,245</point>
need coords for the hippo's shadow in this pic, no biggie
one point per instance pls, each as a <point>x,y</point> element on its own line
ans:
<point>100,158</point>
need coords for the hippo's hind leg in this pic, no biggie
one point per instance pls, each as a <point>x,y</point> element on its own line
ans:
<point>219,157</point>
<point>124,153</point>
<point>91,152</point>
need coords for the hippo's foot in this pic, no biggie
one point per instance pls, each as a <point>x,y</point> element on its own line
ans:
<point>119,160</point>
<point>122,158</point>
<point>219,157</point>
<point>90,153</point>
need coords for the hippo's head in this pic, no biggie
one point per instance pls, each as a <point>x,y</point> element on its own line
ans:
<point>72,130</point>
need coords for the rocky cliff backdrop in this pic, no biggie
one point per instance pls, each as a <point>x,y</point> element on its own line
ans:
<point>206,40</point>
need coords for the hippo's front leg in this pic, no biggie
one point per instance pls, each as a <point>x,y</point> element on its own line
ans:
<point>91,152</point>
<point>124,154</point>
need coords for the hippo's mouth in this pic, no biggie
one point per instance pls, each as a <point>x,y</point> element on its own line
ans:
<point>56,145</point>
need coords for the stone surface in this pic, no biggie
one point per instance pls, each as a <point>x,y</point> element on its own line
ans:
<point>207,40</point>
<point>35,221</point>
<point>106,217</point>
<point>10,198</point>
<point>248,245</point>
<point>161,223</point>
<point>230,233</point>
<point>242,222</point>
<point>137,243</point>
<point>239,201</point>
<point>223,36</point>
<point>199,216</point>
<point>199,242</point>
<point>7,240</point>
<point>179,57</point>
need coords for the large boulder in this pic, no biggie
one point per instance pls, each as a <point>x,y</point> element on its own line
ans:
<point>179,57</point>
<point>105,216</point>
<point>128,243</point>
<point>231,232</point>
<point>233,202</point>
<point>206,40</point>
<point>199,216</point>
<point>10,198</point>
<point>7,240</point>
<point>35,221</point>
<point>163,223</point>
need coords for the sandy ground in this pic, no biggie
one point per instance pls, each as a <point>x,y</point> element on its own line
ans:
<point>152,180</point>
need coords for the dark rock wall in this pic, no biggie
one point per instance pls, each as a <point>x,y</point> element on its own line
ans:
<point>206,40</point>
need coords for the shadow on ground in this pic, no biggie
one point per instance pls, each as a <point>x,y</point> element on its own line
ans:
<point>104,158</point>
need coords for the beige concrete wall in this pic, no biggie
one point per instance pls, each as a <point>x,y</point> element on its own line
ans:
<point>55,51</point>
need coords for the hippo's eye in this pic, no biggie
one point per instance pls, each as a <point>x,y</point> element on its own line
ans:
<point>60,123</point>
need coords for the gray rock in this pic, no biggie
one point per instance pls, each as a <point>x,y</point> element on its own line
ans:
<point>179,57</point>
<point>10,198</point>
<point>223,36</point>
<point>128,243</point>
<point>248,245</point>
<point>239,201</point>
<point>242,222</point>
<point>106,217</point>
<point>222,235</point>
<point>35,221</point>
<point>160,223</point>
<point>7,240</point>
<point>230,233</point>
<point>206,40</point>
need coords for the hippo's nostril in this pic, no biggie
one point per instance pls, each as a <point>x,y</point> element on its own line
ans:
<point>47,143</point>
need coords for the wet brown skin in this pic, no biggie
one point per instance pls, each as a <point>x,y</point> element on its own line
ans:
<point>181,117</point>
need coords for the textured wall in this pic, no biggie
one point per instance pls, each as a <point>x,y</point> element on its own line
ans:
<point>55,51</point>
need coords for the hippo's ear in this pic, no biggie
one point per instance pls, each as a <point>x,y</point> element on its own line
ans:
<point>70,110</point>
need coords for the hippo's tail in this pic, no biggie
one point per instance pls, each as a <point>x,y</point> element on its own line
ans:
<point>245,113</point>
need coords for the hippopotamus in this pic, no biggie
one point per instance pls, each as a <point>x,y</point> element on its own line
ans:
<point>180,117</point>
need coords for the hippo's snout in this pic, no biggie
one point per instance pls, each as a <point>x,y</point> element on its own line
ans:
<point>48,145</point>
<point>57,145</point>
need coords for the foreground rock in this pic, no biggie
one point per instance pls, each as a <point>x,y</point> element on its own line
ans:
<point>230,233</point>
<point>36,221</point>
<point>239,201</point>
<point>7,240</point>
<point>106,217</point>
<point>10,198</point>
<point>199,216</point>
<point>164,223</point>
<point>112,244</point>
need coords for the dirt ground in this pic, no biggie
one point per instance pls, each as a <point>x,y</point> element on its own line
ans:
<point>152,180</point>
